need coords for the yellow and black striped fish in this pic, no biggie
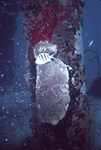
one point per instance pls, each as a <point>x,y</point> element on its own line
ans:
<point>44,58</point>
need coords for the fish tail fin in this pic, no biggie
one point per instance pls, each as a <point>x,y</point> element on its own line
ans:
<point>53,55</point>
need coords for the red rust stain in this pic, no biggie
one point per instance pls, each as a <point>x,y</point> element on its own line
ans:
<point>43,25</point>
<point>31,54</point>
<point>79,113</point>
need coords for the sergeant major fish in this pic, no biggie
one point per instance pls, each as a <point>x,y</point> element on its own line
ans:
<point>44,58</point>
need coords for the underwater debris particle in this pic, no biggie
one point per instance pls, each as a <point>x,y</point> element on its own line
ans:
<point>6,140</point>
